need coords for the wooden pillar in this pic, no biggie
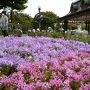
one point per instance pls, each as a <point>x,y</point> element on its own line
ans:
<point>88,27</point>
<point>65,26</point>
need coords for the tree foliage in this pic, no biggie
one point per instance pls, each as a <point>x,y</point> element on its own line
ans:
<point>49,19</point>
<point>14,4</point>
<point>23,19</point>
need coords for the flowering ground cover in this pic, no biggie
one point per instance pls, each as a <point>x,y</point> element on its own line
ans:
<point>42,63</point>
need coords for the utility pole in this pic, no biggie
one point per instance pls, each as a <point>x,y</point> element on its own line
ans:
<point>39,11</point>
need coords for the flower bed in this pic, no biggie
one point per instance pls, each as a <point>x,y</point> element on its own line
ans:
<point>41,63</point>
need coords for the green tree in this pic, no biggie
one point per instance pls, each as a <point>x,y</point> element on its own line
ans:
<point>14,4</point>
<point>49,19</point>
<point>3,4</point>
<point>35,23</point>
<point>24,20</point>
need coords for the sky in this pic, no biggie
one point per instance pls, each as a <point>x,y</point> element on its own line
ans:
<point>59,7</point>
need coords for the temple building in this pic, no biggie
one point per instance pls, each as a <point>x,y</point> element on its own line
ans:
<point>79,12</point>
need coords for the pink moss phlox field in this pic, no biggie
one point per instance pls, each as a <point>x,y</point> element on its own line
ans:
<point>42,63</point>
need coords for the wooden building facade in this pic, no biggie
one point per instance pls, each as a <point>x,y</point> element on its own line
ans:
<point>79,12</point>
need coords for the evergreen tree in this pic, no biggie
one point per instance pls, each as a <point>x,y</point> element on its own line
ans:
<point>49,19</point>
<point>14,4</point>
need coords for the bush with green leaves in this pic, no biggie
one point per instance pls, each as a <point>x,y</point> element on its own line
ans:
<point>7,70</point>
<point>17,32</point>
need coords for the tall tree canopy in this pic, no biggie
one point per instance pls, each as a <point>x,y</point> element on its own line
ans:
<point>49,19</point>
<point>14,4</point>
<point>24,20</point>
